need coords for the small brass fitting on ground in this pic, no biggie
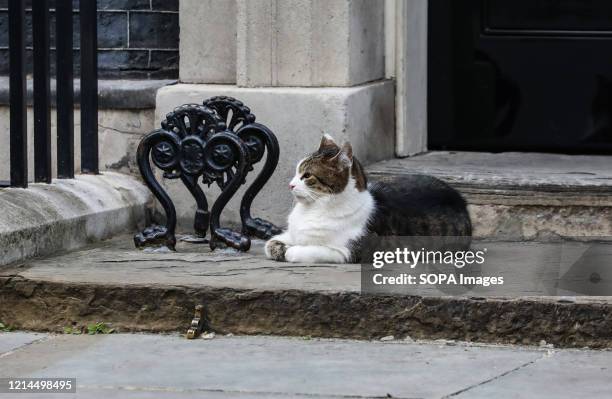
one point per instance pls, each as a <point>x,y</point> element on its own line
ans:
<point>197,324</point>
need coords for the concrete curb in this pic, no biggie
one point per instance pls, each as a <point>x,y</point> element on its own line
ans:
<point>68,214</point>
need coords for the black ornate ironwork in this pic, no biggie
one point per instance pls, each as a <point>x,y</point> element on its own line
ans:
<point>216,142</point>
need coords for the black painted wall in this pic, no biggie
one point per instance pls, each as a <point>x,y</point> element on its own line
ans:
<point>137,39</point>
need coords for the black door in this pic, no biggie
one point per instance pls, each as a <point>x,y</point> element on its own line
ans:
<point>520,75</point>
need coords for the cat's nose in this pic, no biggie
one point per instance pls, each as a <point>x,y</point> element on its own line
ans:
<point>291,186</point>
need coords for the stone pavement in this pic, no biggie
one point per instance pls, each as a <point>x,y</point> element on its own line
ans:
<point>169,366</point>
<point>242,293</point>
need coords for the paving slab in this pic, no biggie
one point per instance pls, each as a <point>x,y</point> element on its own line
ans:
<point>10,341</point>
<point>243,293</point>
<point>161,365</point>
<point>571,374</point>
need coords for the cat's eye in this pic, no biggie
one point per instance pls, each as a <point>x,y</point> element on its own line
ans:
<point>306,175</point>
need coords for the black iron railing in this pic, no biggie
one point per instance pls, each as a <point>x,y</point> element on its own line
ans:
<point>65,90</point>
<point>42,90</point>
<point>17,82</point>
<point>89,88</point>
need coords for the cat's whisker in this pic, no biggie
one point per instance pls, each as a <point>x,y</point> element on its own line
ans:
<point>313,195</point>
<point>310,193</point>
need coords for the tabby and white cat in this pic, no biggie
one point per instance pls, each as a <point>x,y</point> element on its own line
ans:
<point>335,209</point>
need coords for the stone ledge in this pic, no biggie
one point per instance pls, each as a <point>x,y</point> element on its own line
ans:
<point>112,94</point>
<point>49,306</point>
<point>534,178</point>
<point>245,294</point>
<point>67,214</point>
<point>521,196</point>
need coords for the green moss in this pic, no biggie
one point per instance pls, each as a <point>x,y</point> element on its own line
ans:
<point>99,328</point>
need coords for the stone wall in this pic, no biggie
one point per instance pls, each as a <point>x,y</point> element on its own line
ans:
<point>119,133</point>
<point>136,38</point>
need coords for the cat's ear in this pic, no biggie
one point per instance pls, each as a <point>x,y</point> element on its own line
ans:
<point>327,141</point>
<point>345,155</point>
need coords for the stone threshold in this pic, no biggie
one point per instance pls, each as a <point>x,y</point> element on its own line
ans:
<point>511,172</point>
<point>521,196</point>
<point>243,293</point>
<point>112,94</point>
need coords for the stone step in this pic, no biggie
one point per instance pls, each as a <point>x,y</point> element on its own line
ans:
<point>243,293</point>
<point>521,196</point>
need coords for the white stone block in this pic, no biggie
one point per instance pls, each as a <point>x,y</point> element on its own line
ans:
<point>207,47</point>
<point>310,42</point>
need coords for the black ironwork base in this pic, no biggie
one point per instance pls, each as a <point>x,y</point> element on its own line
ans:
<point>217,142</point>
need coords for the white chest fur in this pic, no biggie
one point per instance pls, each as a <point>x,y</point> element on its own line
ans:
<point>332,221</point>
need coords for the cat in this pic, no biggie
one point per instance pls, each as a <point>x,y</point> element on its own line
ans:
<point>335,208</point>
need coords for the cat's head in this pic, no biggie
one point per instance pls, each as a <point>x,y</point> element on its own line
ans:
<point>330,170</point>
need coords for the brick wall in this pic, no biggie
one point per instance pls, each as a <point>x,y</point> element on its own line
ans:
<point>136,38</point>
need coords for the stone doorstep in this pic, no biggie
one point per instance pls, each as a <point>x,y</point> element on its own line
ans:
<point>243,293</point>
<point>521,196</point>
<point>513,178</point>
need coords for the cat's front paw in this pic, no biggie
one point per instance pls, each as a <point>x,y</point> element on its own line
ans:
<point>298,254</point>
<point>276,250</point>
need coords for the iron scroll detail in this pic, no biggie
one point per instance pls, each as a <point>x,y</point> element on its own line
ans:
<point>217,142</point>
